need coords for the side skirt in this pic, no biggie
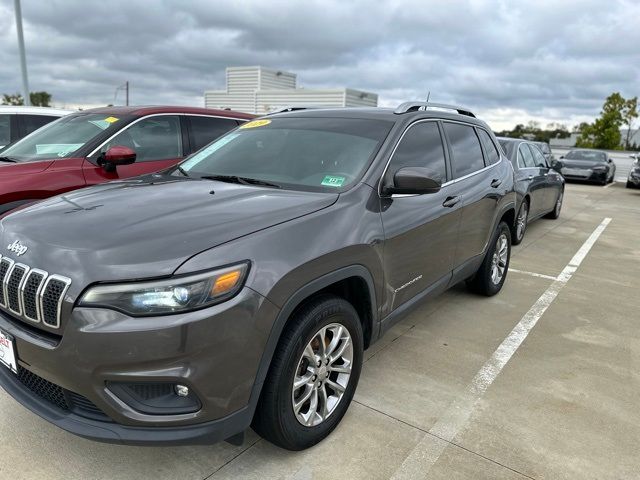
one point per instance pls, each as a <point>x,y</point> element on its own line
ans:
<point>403,310</point>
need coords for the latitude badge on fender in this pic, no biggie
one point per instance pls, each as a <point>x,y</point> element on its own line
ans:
<point>17,248</point>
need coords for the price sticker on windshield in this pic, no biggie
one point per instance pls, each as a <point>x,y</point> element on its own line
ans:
<point>332,181</point>
<point>255,124</point>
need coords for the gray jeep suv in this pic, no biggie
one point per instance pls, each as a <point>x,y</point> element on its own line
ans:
<point>241,287</point>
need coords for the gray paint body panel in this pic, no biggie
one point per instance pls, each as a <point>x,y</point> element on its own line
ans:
<point>297,243</point>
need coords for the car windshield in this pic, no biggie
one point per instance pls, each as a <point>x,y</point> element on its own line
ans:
<point>301,153</point>
<point>63,137</point>
<point>586,155</point>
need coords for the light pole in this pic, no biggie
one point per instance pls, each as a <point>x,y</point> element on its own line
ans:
<point>23,57</point>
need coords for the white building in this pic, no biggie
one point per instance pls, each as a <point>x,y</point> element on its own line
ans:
<point>262,90</point>
<point>570,141</point>
<point>634,138</point>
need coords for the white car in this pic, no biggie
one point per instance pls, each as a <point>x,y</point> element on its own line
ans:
<point>17,122</point>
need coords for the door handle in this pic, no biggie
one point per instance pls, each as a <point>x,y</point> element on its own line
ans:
<point>450,201</point>
<point>495,183</point>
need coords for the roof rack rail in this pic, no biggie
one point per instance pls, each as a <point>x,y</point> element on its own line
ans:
<point>291,109</point>
<point>415,106</point>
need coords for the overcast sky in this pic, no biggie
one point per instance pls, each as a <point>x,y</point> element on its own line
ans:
<point>511,62</point>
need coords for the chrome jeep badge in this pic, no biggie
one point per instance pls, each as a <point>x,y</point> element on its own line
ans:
<point>17,248</point>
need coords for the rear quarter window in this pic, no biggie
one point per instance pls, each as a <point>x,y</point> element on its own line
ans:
<point>489,147</point>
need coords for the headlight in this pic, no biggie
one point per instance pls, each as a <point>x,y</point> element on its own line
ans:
<point>169,296</point>
<point>599,168</point>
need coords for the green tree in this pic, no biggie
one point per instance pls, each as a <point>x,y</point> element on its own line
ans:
<point>38,99</point>
<point>580,127</point>
<point>604,132</point>
<point>12,99</point>
<point>629,114</point>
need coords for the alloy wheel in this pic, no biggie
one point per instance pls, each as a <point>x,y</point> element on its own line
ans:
<point>499,260</point>
<point>322,375</point>
<point>521,221</point>
<point>559,203</point>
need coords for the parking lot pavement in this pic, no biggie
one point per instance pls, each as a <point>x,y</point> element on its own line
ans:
<point>563,404</point>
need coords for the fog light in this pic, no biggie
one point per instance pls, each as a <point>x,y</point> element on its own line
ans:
<point>167,398</point>
<point>182,390</point>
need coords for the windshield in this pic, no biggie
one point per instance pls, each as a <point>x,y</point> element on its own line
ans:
<point>586,155</point>
<point>312,153</point>
<point>61,138</point>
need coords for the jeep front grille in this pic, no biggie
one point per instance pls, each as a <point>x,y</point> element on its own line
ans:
<point>30,293</point>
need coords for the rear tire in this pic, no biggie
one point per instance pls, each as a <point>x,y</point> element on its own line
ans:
<point>522,220</point>
<point>492,274</point>
<point>555,213</point>
<point>630,185</point>
<point>298,417</point>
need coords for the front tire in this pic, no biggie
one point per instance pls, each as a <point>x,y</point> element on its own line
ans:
<point>492,274</point>
<point>313,375</point>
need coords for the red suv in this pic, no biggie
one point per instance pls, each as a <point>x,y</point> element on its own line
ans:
<point>102,144</point>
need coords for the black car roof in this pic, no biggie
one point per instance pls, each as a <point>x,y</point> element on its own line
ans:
<point>514,140</point>
<point>378,113</point>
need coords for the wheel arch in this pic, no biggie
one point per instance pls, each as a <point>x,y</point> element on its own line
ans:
<point>348,283</point>
<point>508,215</point>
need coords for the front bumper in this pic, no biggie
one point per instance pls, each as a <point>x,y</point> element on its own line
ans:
<point>587,175</point>
<point>215,351</point>
<point>634,178</point>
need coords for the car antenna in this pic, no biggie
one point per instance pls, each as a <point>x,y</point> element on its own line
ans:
<point>428,95</point>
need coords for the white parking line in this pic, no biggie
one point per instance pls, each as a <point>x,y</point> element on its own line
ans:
<point>533,274</point>
<point>428,450</point>
<point>610,184</point>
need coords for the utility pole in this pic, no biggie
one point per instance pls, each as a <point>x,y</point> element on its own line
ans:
<point>23,57</point>
<point>125,87</point>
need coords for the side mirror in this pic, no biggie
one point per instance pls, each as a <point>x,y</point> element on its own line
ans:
<point>116,155</point>
<point>557,165</point>
<point>561,157</point>
<point>609,160</point>
<point>414,181</point>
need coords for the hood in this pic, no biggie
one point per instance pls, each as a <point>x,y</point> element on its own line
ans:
<point>146,227</point>
<point>24,168</point>
<point>583,164</point>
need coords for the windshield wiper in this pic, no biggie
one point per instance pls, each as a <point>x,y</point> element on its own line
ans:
<point>182,171</point>
<point>241,180</point>
<point>7,159</point>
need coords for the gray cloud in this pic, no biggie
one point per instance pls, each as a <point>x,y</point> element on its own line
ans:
<point>510,61</point>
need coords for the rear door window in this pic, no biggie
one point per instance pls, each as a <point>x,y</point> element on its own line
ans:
<point>465,147</point>
<point>30,123</point>
<point>421,146</point>
<point>5,129</point>
<point>204,130</point>
<point>538,157</point>
<point>489,147</point>
<point>525,157</point>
